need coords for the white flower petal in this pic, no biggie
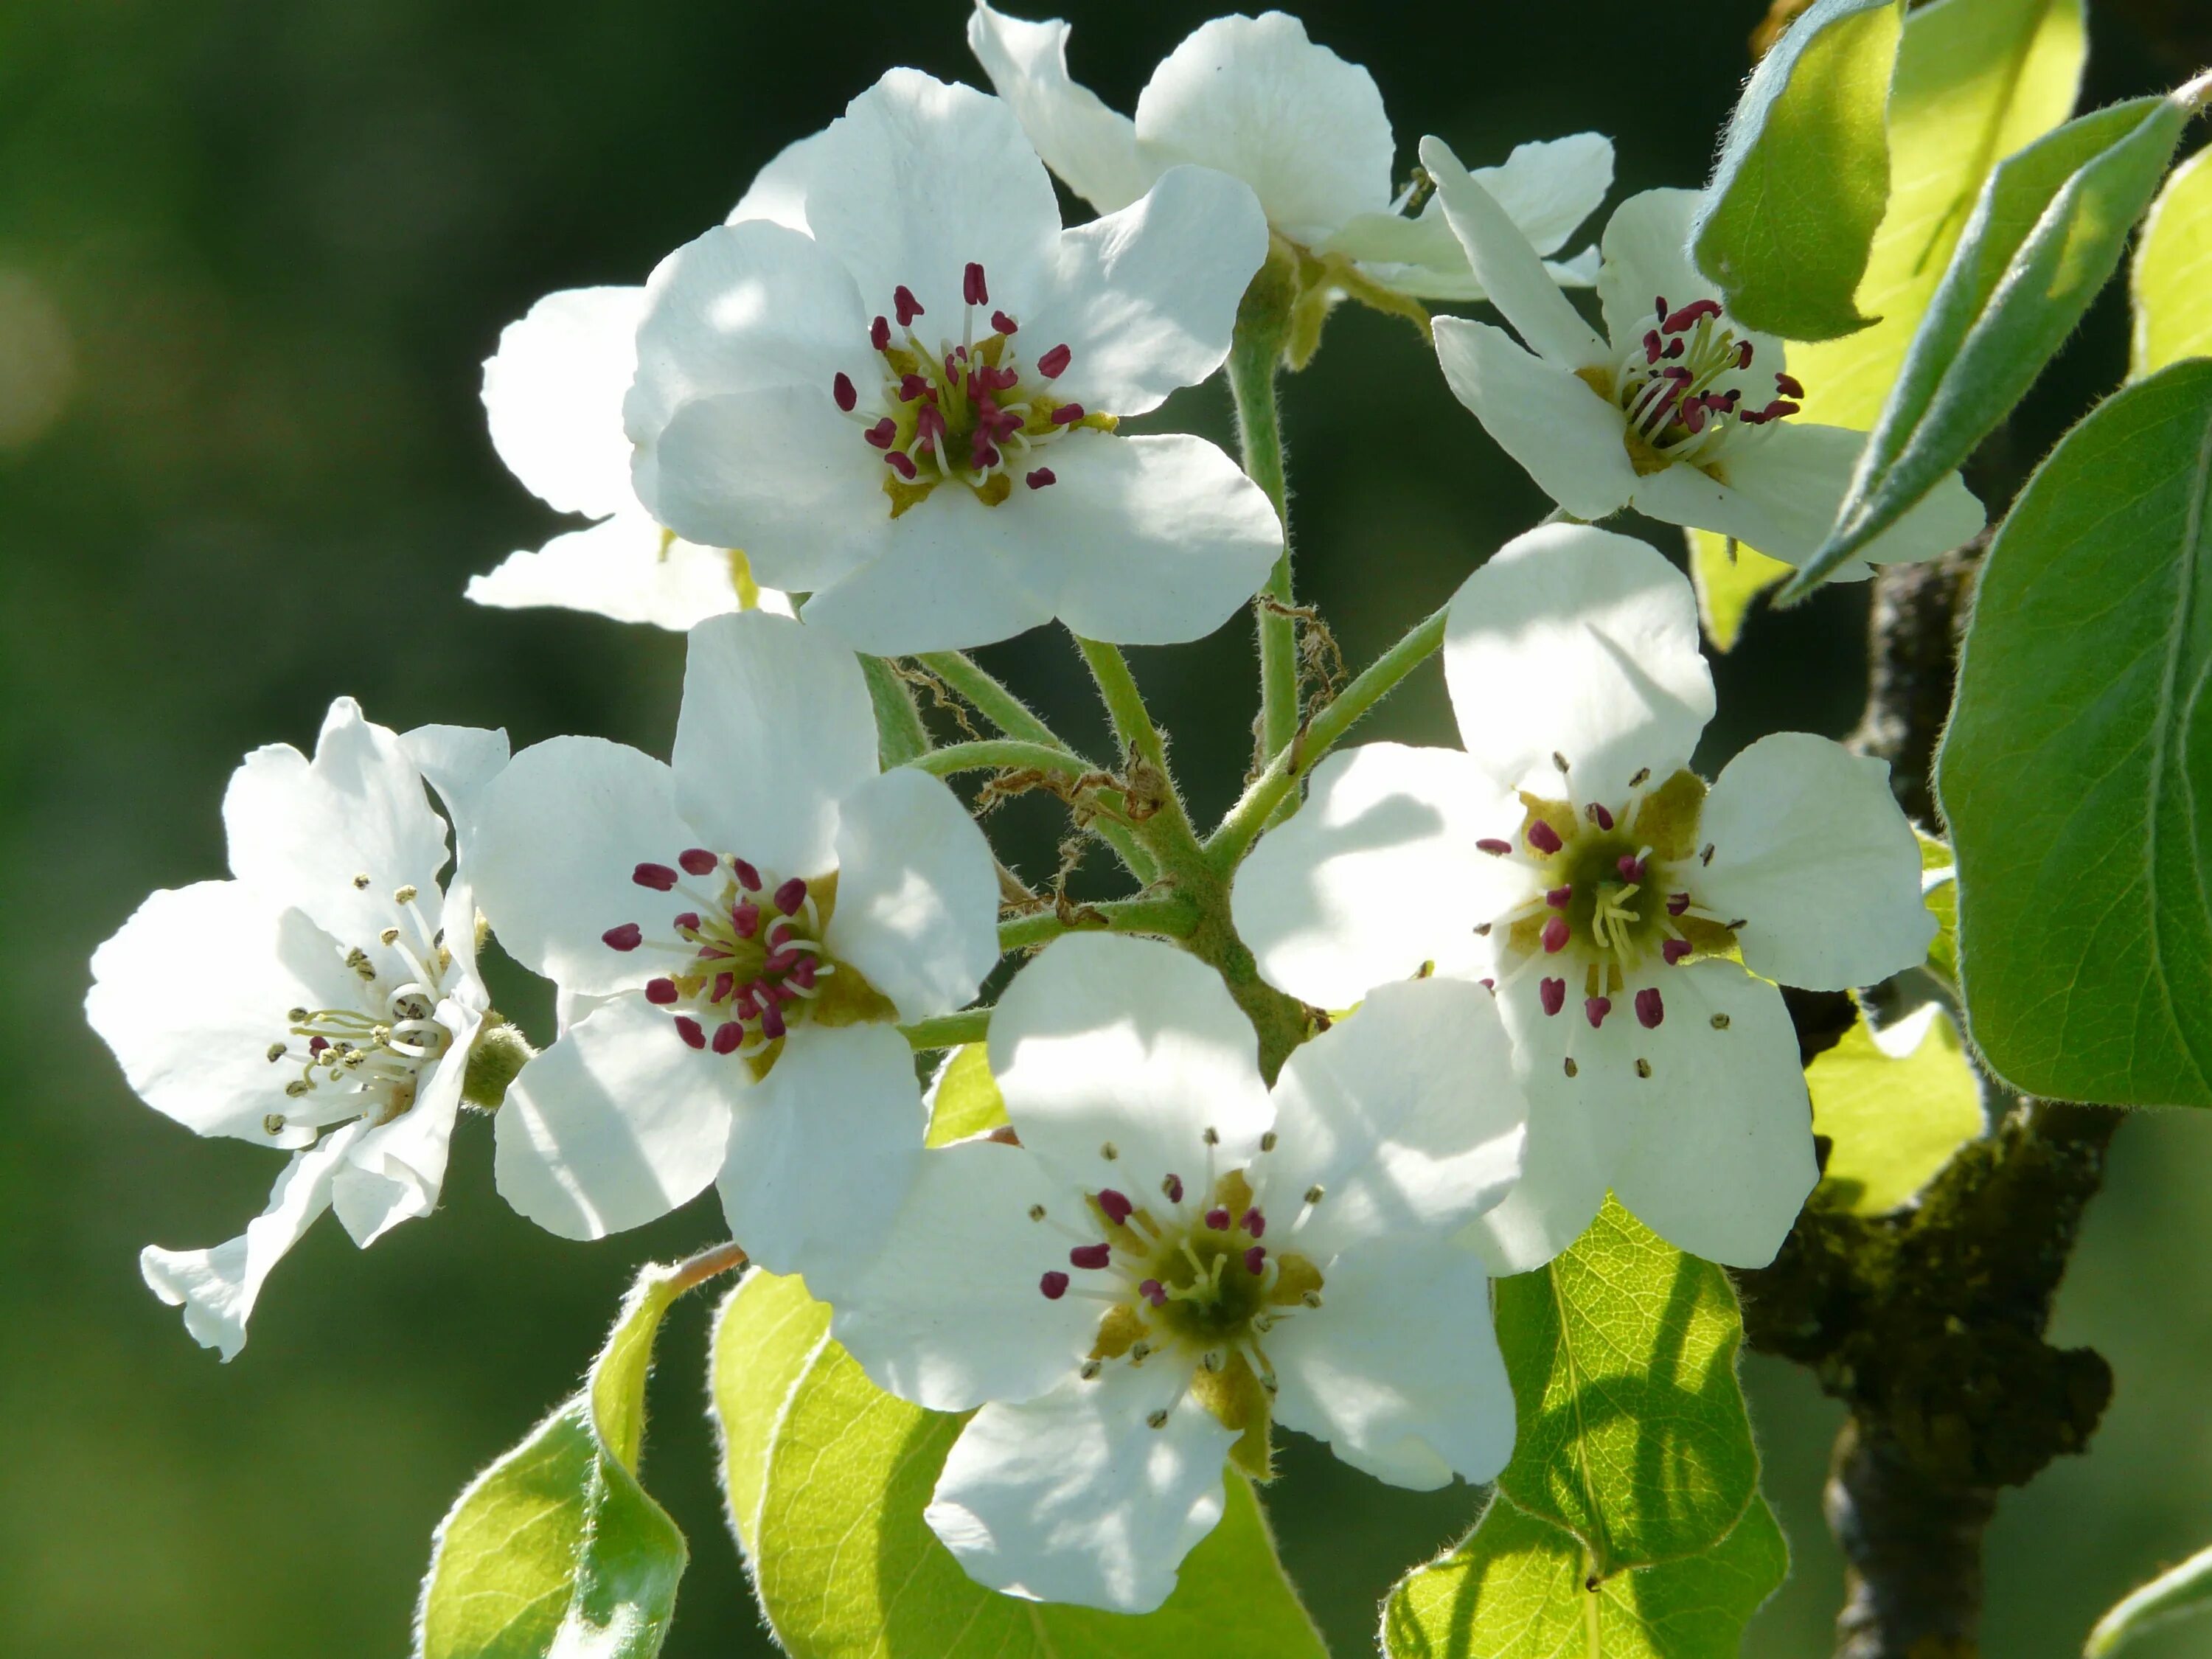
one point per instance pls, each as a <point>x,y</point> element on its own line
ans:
<point>1812,852</point>
<point>821,1152</point>
<point>1567,1160</point>
<point>1400,1370</point>
<point>949,1313</point>
<point>1577,643</point>
<point>917,894</point>
<point>779,191</point>
<point>626,568</point>
<point>1073,1498</point>
<point>916,179</point>
<point>1256,99</point>
<point>944,576</point>
<point>1647,260</point>
<point>1091,147</point>
<point>744,305</point>
<point>775,728</point>
<point>1406,1115</point>
<point>202,1058</point>
<point>554,394</point>
<point>615,1125</point>
<point>1146,298</point>
<point>1715,1155</point>
<point>1573,442</point>
<point>1378,872</point>
<point>1104,1041</point>
<point>1785,487</point>
<point>559,832</point>
<point>1143,541</point>
<point>217,1288</point>
<point>303,830</point>
<point>1510,270</point>
<point>459,762</point>
<point>396,1170</point>
<point>1549,187</point>
<point>778,471</point>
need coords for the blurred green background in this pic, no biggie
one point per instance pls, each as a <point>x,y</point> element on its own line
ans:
<point>251,256</point>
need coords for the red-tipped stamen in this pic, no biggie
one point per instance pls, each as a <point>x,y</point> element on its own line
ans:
<point>1649,1009</point>
<point>1053,1284</point>
<point>1552,994</point>
<point>1555,935</point>
<point>1090,1255</point>
<point>1543,837</point>
<point>1594,1009</point>
<point>657,877</point>
<point>627,937</point>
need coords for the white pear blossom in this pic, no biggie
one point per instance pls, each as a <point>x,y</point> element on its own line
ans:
<point>1684,414</point>
<point>553,393</point>
<point>325,1000</point>
<point>736,936</point>
<point>909,408</point>
<point>1633,923</point>
<point>1254,98</point>
<point>1172,1258</point>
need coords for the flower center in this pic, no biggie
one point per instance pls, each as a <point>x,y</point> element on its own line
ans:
<point>364,1060</point>
<point>1614,897</point>
<point>971,412</point>
<point>751,963</point>
<point>1190,1277</point>
<point>1686,386</point>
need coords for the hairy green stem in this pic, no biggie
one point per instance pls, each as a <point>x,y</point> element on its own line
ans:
<point>1001,755</point>
<point>900,735</point>
<point>1261,329</point>
<point>1267,791</point>
<point>991,697</point>
<point>1172,916</point>
<point>948,1031</point>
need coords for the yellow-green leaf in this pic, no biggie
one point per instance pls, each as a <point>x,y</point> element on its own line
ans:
<point>1521,1588</point>
<point>2173,282</point>
<point>1728,577</point>
<point>1895,1109</point>
<point>845,1566</point>
<point>964,1100</point>
<point>556,1547</point>
<point>1939,882</point>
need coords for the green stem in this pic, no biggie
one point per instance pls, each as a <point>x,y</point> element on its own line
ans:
<point>1001,755</point>
<point>1172,917</point>
<point>900,735</point>
<point>1253,360</point>
<point>1229,843</point>
<point>948,1031</point>
<point>991,697</point>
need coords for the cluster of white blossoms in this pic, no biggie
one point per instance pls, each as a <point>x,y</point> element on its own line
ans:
<point>1540,967</point>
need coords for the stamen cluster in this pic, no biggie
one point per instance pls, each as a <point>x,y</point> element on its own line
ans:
<point>1679,385</point>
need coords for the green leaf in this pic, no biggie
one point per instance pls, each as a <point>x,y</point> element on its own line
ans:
<point>1728,577</point>
<point>2173,282</point>
<point>1893,1119</point>
<point>2182,1593</point>
<point>1939,881</point>
<point>2077,754</point>
<point>1521,1588</point>
<point>1632,1430</point>
<point>845,1568</point>
<point>556,1546</point>
<point>2045,236</point>
<point>965,1099</point>
<point>1787,223</point>
<point>1976,80</point>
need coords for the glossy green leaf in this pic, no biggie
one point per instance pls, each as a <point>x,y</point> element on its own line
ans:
<point>836,1473</point>
<point>1632,1430</point>
<point>1893,1110</point>
<point>1521,1588</point>
<point>556,1548</point>
<point>965,1099</point>
<point>2183,1593</point>
<point>2077,767</point>
<point>2172,280</point>
<point>2045,238</point>
<point>1787,223</point>
<point>1976,80</point>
